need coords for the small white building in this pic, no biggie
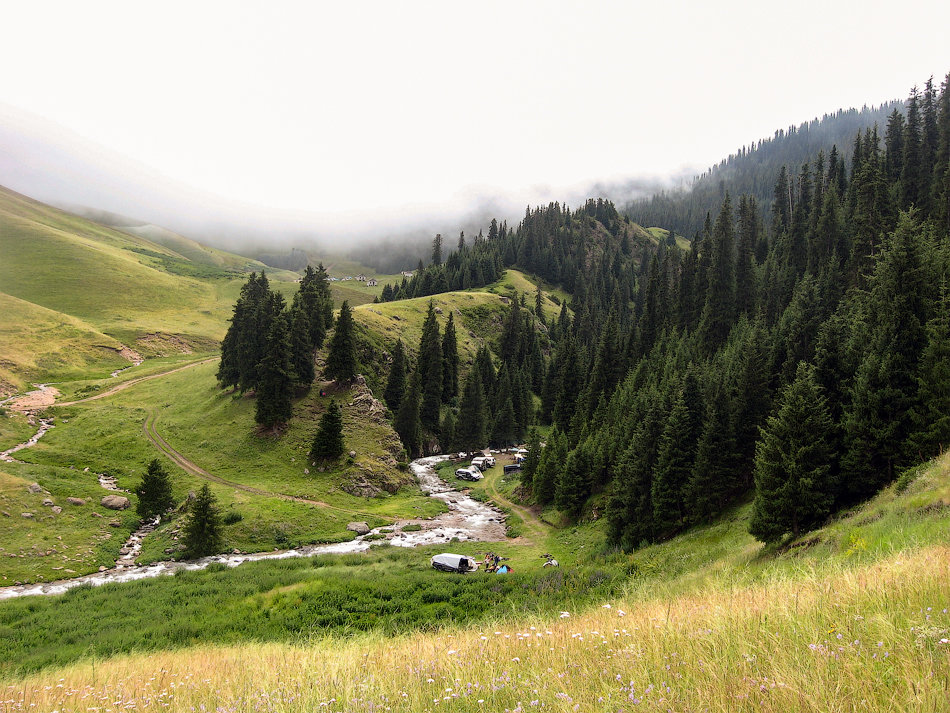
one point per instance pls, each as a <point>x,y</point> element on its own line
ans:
<point>371,282</point>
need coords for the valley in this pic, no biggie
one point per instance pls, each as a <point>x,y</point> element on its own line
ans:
<point>222,482</point>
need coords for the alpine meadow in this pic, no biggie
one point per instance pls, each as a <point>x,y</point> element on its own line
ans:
<point>682,449</point>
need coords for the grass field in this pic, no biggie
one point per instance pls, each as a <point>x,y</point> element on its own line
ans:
<point>71,290</point>
<point>214,429</point>
<point>832,626</point>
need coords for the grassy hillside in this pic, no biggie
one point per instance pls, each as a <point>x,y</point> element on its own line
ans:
<point>71,290</point>
<point>195,251</point>
<point>39,344</point>
<point>281,499</point>
<point>854,613</point>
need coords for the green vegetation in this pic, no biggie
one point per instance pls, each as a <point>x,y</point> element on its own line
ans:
<point>391,590</point>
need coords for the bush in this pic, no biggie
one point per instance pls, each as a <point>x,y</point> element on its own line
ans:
<point>231,517</point>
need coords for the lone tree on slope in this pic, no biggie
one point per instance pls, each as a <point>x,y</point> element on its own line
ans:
<point>202,533</point>
<point>154,492</point>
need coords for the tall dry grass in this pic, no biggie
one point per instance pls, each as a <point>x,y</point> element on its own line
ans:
<point>874,638</point>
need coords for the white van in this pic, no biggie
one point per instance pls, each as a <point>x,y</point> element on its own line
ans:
<point>484,462</point>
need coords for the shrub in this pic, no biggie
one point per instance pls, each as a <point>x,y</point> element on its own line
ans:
<point>231,517</point>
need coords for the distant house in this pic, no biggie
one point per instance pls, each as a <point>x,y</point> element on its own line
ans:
<point>361,277</point>
<point>407,273</point>
<point>371,282</point>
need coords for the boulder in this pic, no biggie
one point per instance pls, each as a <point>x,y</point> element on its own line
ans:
<point>115,502</point>
<point>34,488</point>
<point>115,523</point>
<point>47,502</point>
<point>27,515</point>
<point>57,509</point>
<point>75,501</point>
<point>360,528</point>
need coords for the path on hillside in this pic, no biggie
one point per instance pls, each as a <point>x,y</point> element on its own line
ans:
<point>191,467</point>
<point>537,529</point>
<point>132,382</point>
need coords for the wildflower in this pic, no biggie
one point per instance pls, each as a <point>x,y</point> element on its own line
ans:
<point>565,614</point>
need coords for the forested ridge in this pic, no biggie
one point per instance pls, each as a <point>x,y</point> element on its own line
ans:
<point>753,170</point>
<point>802,358</point>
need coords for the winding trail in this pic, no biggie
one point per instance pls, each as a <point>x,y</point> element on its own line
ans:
<point>132,382</point>
<point>537,529</point>
<point>191,467</point>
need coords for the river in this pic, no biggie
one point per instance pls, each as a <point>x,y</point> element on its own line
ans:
<point>466,520</point>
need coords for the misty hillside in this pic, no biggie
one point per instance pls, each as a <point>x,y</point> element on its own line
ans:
<point>754,169</point>
<point>75,291</point>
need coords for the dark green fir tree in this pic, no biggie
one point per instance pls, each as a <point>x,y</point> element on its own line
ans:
<point>154,492</point>
<point>341,359</point>
<point>328,441</point>
<point>201,534</point>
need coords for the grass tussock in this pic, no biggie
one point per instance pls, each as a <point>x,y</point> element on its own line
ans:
<point>874,638</point>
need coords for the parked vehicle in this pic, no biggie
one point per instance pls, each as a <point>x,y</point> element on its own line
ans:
<point>483,462</point>
<point>448,562</point>
<point>512,468</point>
<point>470,473</point>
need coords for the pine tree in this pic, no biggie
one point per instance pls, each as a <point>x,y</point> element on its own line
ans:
<point>447,429</point>
<point>793,492</point>
<point>437,250</point>
<point>549,468</point>
<point>154,492</point>
<point>931,416</point>
<point>573,485</point>
<point>720,305</point>
<point>275,380</point>
<point>328,441</point>
<point>202,532</point>
<point>301,347</point>
<point>530,465</point>
<point>910,171</point>
<point>471,432</point>
<point>407,423</point>
<point>676,453</point>
<point>341,359</point>
<point>878,422</point>
<point>430,371</point>
<point>450,361</point>
<point>396,384</point>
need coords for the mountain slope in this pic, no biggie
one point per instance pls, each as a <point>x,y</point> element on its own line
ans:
<point>62,273</point>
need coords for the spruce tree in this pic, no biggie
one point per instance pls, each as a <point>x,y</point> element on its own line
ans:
<point>793,492</point>
<point>328,441</point>
<point>931,417</point>
<point>154,492</point>
<point>275,380</point>
<point>407,423</point>
<point>530,465</point>
<point>450,361</point>
<point>201,534</point>
<point>341,359</point>
<point>573,485</point>
<point>396,384</point>
<point>430,371</point>
<point>471,432</point>
<point>447,429</point>
<point>301,347</point>
<point>720,305</point>
<point>551,464</point>
<point>879,420</point>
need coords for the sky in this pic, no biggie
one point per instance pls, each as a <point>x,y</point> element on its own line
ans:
<point>355,110</point>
